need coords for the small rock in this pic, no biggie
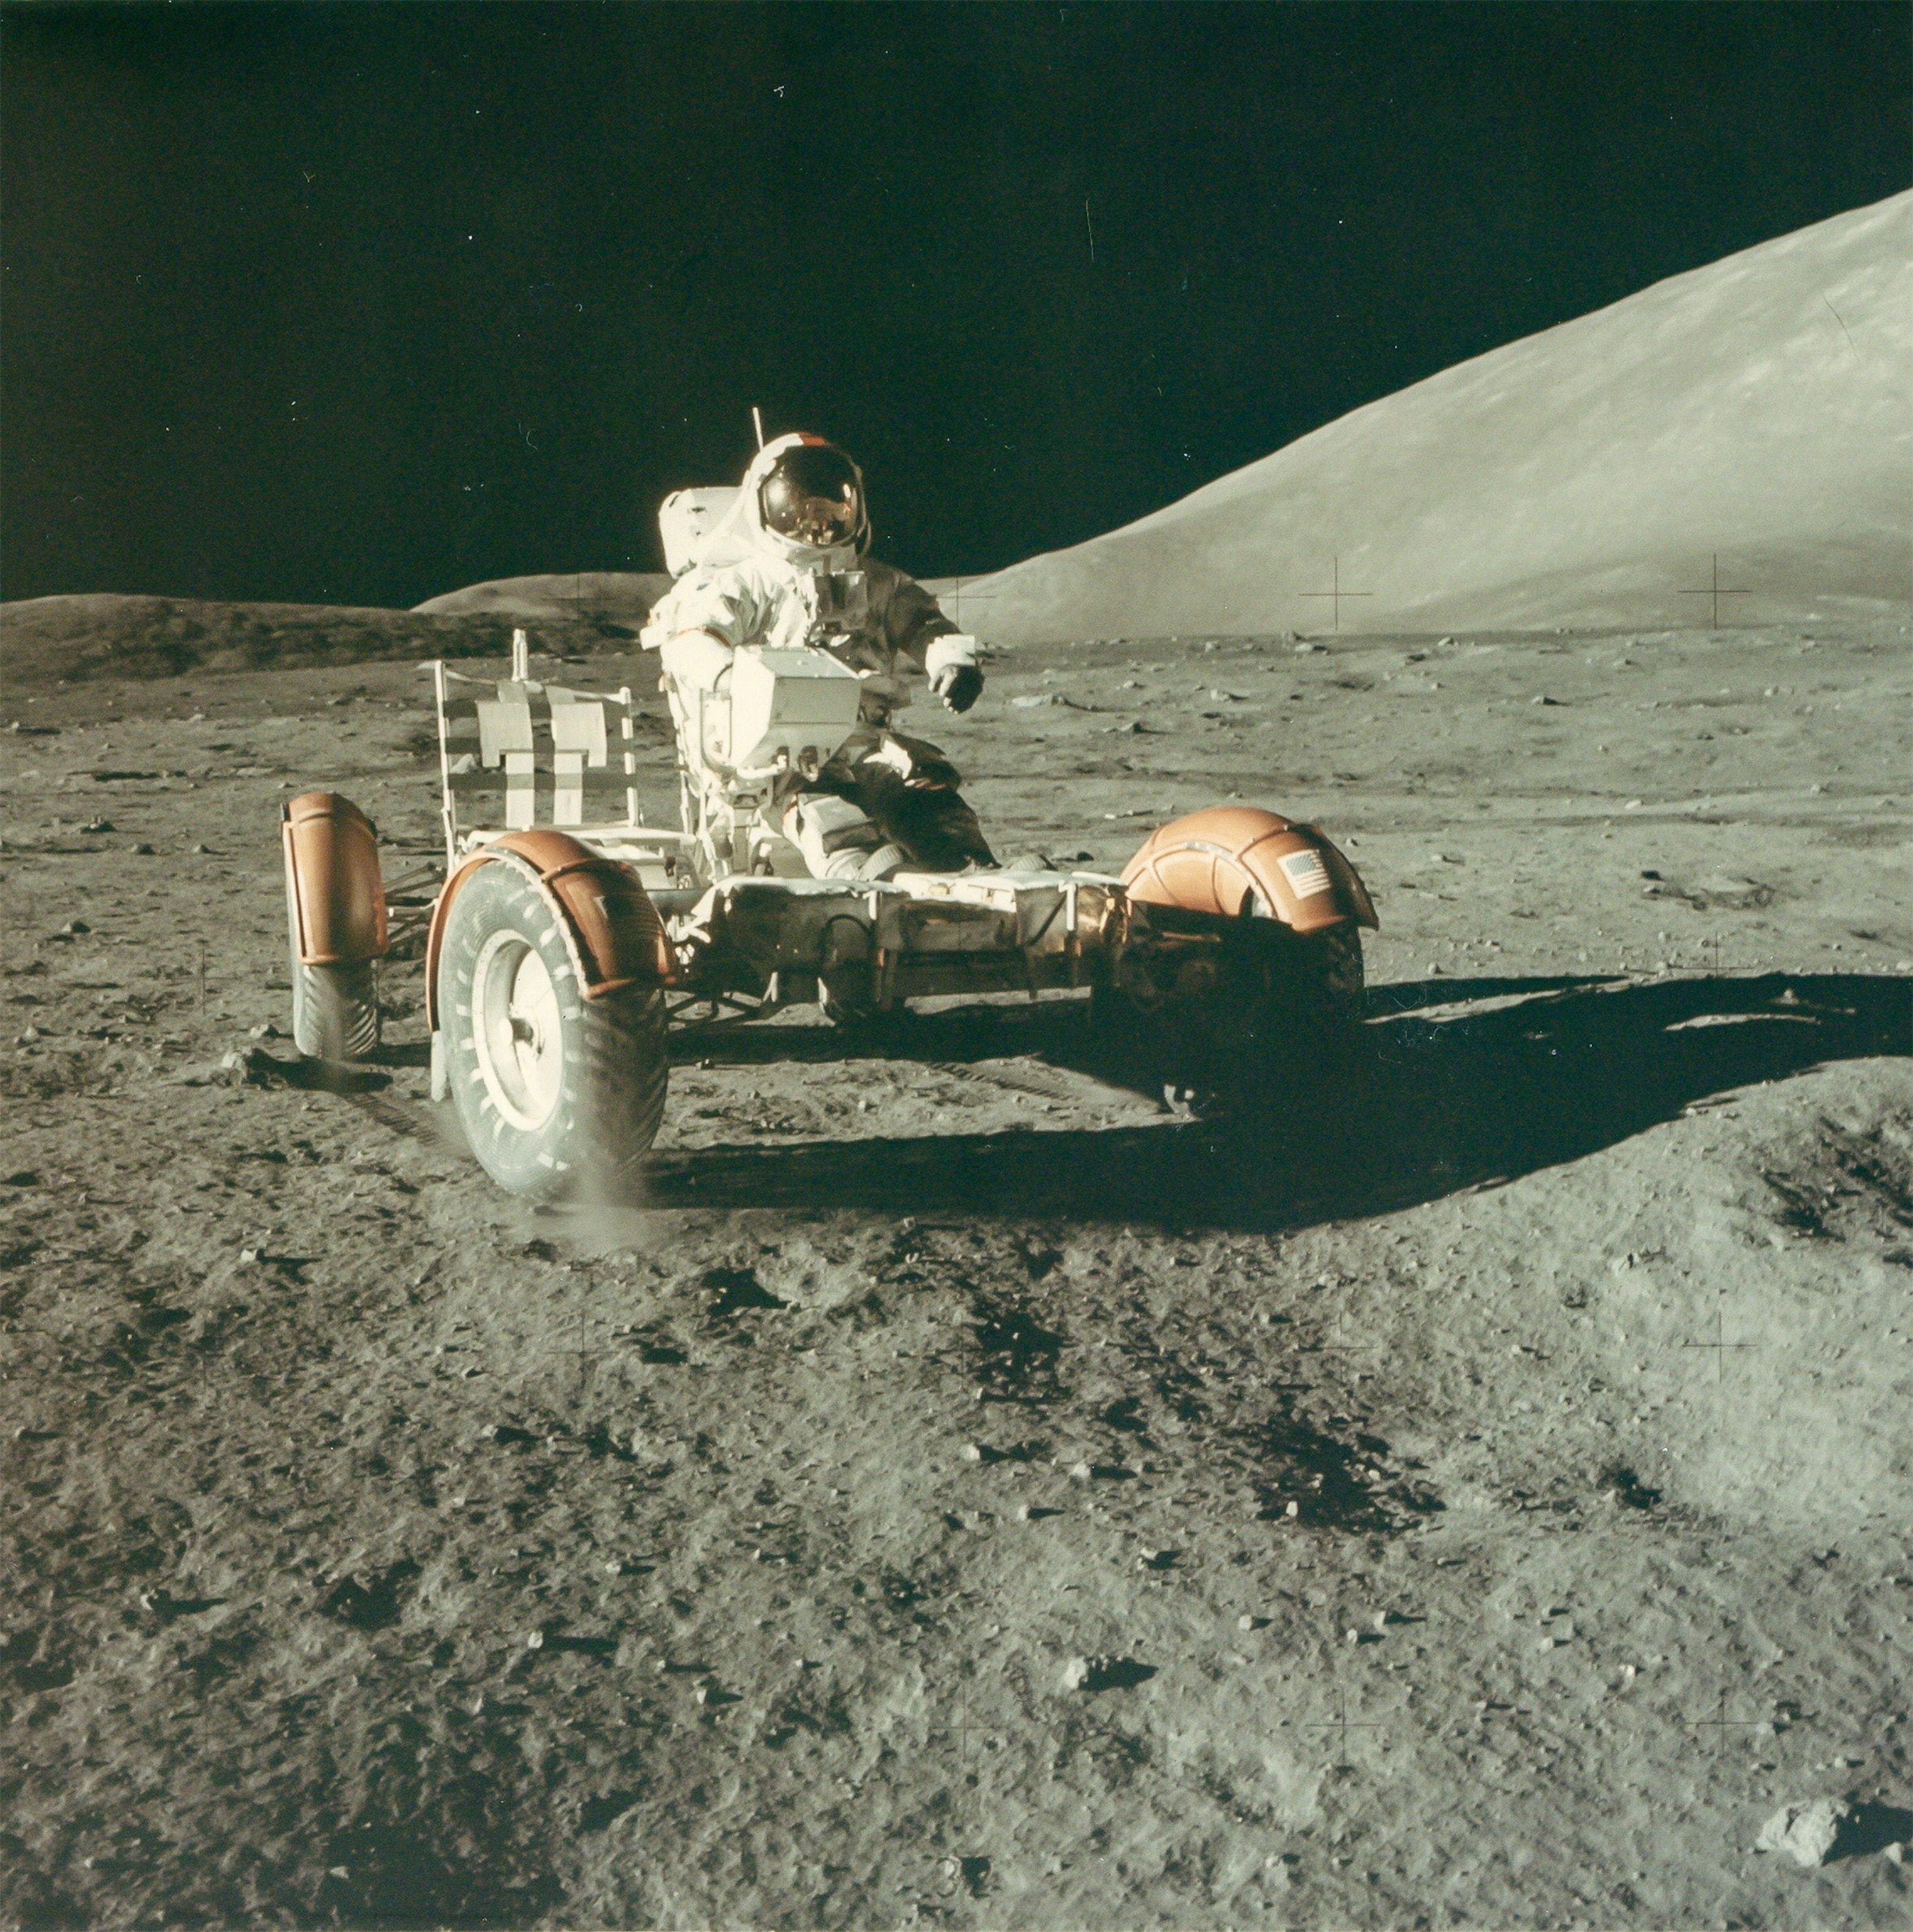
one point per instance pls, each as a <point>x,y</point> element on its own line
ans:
<point>535,1639</point>
<point>1808,1831</point>
<point>1081,1472</point>
<point>1897,1853</point>
<point>972,1452</point>
<point>202,849</point>
<point>1384,1618</point>
<point>1247,1622</point>
<point>74,925</point>
<point>1354,1635</point>
<point>142,850</point>
<point>98,825</point>
<point>249,1257</point>
<point>1293,1509</point>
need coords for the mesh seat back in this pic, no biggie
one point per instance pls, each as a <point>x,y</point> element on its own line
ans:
<point>516,753</point>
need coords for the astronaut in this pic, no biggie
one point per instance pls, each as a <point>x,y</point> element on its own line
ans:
<point>797,574</point>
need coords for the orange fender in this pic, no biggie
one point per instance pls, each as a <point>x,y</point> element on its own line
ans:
<point>334,892</point>
<point>1227,859</point>
<point>611,929</point>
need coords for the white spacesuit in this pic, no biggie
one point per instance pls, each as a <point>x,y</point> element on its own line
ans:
<point>797,573</point>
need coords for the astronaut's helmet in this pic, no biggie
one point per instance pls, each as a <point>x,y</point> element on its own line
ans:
<point>812,495</point>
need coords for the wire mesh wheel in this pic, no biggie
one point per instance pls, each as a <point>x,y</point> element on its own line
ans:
<point>558,1094</point>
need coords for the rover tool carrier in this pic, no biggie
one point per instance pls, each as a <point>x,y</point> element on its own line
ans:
<point>569,939</point>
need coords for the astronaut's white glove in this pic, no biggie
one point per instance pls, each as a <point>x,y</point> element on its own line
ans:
<point>955,677</point>
<point>696,660</point>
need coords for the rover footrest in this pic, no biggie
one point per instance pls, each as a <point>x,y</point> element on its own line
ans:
<point>1039,925</point>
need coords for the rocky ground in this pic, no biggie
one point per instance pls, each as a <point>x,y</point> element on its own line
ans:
<point>961,1494</point>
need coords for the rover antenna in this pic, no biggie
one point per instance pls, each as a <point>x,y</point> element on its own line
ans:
<point>758,424</point>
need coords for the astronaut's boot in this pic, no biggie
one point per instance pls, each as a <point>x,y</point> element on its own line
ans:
<point>838,841</point>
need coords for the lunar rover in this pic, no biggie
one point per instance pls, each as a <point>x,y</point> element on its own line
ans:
<point>570,939</point>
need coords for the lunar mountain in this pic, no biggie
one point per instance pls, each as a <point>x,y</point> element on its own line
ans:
<point>1743,426</point>
<point>614,600</point>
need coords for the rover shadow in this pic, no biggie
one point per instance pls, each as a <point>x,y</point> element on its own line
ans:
<point>1054,1028</point>
<point>1502,1078</point>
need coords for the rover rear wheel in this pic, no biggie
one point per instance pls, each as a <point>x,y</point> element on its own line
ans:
<point>1253,1012</point>
<point>335,1010</point>
<point>558,1095</point>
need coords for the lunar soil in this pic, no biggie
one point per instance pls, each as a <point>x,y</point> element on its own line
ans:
<point>964,1493</point>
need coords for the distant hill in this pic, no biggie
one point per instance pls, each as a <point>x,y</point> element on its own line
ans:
<point>615,603</point>
<point>1755,410</point>
<point>102,635</point>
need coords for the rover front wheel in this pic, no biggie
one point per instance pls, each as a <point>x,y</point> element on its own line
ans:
<point>558,1095</point>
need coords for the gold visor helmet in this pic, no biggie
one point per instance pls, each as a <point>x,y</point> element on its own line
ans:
<point>813,495</point>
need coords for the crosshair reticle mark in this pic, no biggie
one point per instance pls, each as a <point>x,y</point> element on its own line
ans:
<point>958,594</point>
<point>1341,1724</point>
<point>1720,1721</point>
<point>1334,1345</point>
<point>1719,1347</point>
<point>1337,595</point>
<point>965,1728</point>
<point>1716,590</point>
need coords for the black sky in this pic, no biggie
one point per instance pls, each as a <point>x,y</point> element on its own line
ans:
<point>357,304</point>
